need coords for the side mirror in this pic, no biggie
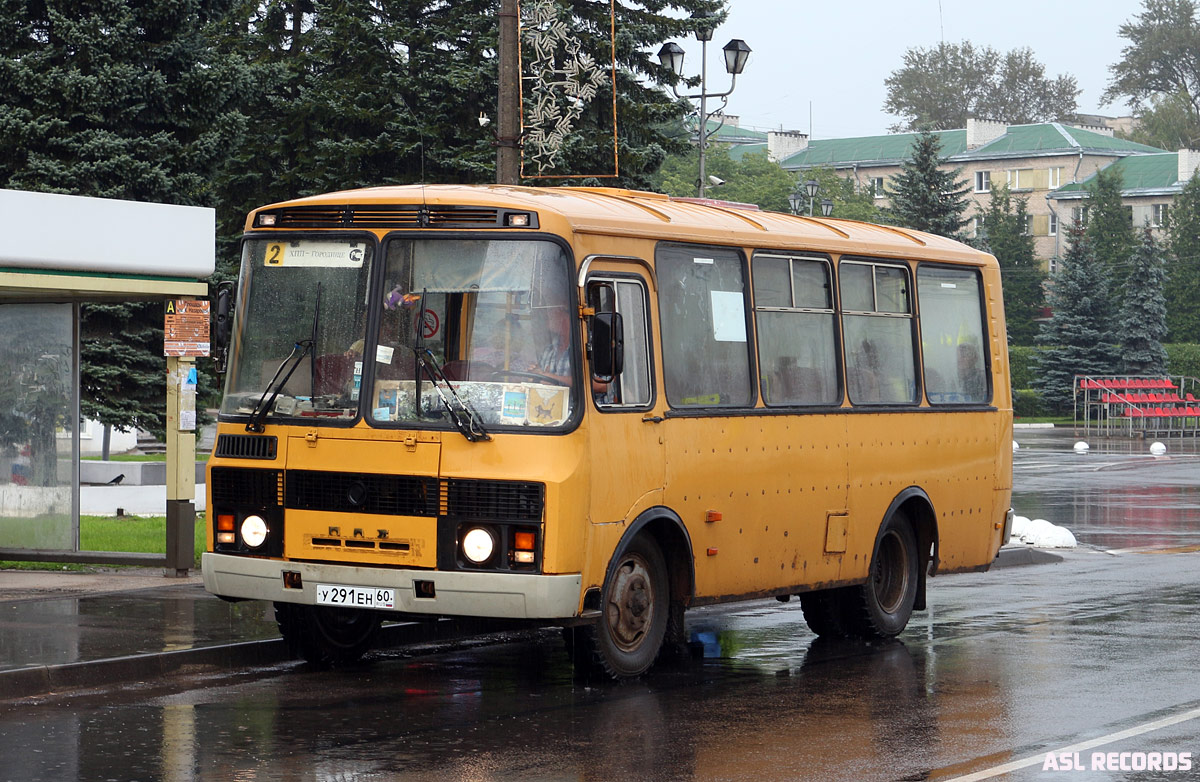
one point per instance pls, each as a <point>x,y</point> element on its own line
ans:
<point>607,346</point>
<point>223,324</point>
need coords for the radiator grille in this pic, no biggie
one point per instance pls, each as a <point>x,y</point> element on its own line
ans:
<point>247,446</point>
<point>235,486</point>
<point>494,500</point>
<point>397,495</point>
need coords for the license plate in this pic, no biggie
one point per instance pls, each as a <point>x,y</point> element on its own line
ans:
<point>355,597</point>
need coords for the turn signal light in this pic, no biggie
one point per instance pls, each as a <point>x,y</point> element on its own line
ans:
<point>524,541</point>
<point>225,522</point>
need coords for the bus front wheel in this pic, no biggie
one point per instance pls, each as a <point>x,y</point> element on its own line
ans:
<point>626,639</point>
<point>883,605</point>
<point>326,636</point>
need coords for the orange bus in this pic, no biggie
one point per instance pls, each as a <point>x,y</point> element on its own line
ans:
<point>598,408</point>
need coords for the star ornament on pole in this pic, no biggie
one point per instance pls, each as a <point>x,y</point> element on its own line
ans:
<point>561,80</point>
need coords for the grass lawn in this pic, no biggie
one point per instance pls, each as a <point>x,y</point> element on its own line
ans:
<point>142,534</point>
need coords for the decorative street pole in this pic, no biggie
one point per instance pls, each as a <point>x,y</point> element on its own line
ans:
<point>736,54</point>
<point>811,188</point>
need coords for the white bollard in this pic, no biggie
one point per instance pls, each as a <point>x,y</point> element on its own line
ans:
<point>1157,449</point>
<point>1082,447</point>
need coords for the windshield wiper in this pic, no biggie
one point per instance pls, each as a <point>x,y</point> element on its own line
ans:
<point>464,417</point>
<point>303,346</point>
<point>299,351</point>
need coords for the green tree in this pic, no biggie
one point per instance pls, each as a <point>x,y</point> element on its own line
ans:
<point>1110,228</point>
<point>939,88</point>
<point>1143,318</point>
<point>122,99</point>
<point>1078,337</point>
<point>1159,73</point>
<point>1005,219</point>
<point>850,201</point>
<point>749,178</point>
<point>925,197</point>
<point>1183,265</point>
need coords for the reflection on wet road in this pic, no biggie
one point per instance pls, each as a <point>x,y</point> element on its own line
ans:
<point>1004,666</point>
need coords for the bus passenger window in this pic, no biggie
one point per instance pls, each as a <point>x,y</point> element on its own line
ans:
<point>702,306</point>
<point>877,329</point>
<point>797,350</point>
<point>952,335</point>
<point>631,388</point>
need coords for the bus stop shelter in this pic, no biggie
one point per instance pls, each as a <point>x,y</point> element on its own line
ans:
<point>56,252</point>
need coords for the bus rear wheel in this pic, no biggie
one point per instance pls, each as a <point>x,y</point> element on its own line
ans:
<point>325,636</point>
<point>634,613</point>
<point>881,607</point>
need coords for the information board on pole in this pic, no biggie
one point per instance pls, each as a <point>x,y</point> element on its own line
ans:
<point>185,328</point>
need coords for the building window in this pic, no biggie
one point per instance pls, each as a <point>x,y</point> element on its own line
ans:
<point>980,230</point>
<point>877,187</point>
<point>1159,215</point>
<point>1129,213</point>
<point>1055,178</point>
<point>1079,215</point>
<point>1052,265</point>
<point>1053,230</point>
<point>983,181</point>
<point>1027,225</point>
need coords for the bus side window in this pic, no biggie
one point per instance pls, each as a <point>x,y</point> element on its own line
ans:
<point>877,326</point>
<point>631,388</point>
<point>952,338</point>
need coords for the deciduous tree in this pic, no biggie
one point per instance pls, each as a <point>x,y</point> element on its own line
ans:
<point>939,88</point>
<point>1159,73</point>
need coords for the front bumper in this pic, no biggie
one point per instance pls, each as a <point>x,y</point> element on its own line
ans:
<point>498,595</point>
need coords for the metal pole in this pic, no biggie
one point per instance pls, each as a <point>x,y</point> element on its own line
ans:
<point>181,472</point>
<point>703,113</point>
<point>508,118</point>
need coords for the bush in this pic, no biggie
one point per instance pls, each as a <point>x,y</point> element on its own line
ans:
<point>1183,359</point>
<point>1027,403</point>
<point>1021,364</point>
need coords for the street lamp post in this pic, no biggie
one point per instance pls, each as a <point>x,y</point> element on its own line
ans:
<point>736,54</point>
<point>811,188</point>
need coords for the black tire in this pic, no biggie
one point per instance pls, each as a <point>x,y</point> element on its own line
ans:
<point>325,636</point>
<point>881,607</point>
<point>825,612</point>
<point>634,614</point>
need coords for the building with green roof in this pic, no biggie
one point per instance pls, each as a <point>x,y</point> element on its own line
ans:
<point>1036,161</point>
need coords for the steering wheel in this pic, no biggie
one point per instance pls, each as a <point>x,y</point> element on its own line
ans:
<point>509,374</point>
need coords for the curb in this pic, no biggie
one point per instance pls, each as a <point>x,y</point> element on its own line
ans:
<point>36,680</point>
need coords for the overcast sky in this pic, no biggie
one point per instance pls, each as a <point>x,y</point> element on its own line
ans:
<point>837,53</point>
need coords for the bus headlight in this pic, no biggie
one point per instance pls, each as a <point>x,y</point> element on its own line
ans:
<point>478,545</point>
<point>254,531</point>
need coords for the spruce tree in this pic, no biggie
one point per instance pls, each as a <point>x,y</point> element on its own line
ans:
<point>121,99</point>
<point>1020,271</point>
<point>1078,337</point>
<point>1109,229</point>
<point>925,197</point>
<point>1144,311</point>
<point>1183,265</point>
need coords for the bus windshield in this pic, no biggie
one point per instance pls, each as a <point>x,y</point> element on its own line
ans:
<point>491,317</point>
<point>299,329</point>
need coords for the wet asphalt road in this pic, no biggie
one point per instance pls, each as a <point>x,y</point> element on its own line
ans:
<point>1003,668</point>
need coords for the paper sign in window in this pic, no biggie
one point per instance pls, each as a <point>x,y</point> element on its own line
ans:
<point>728,316</point>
